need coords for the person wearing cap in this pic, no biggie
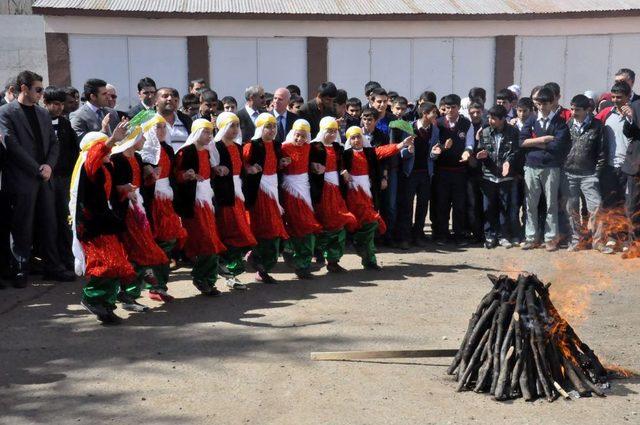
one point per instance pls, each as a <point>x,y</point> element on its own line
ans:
<point>302,225</point>
<point>362,175</point>
<point>194,204</point>
<point>96,226</point>
<point>234,228</point>
<point>143,252</point>
<point>328,203</point>
<point>158,158</point>
<point>261,159</point>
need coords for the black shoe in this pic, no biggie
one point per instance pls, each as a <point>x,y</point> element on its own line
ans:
<point>103,314</point>
<point>420,242</point>
<point>403,245</point>
<point>288,259</point>
<point>304,274</point>
<point>335,268</point>
<point>320,261</point>
<point>20,280</point>
<point>130,304</point>
<point>60,276</point>
<point>110,319</point>
<point>253,263</point>
<point>440,242</point>
<point>490,244</point>
<point>206,289</point>
<point>372,266</point>
<point>461,243</point>
<point>266,278</point>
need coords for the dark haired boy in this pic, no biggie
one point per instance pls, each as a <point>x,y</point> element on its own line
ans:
<point>545,139</point>
<point>451,154</point>
<point>556,107</point>
<point>473,223</point>
<point>354,109</point>
<point>229,104</point>
<point>378,99</point>
<point>54,99</point>
<point>507,99</point>
<point>319,107</point>
<point>586,155</point>
<point>414,179</point>
<point>295,104</point>
<point>496,152</point>
<point>147,94</point>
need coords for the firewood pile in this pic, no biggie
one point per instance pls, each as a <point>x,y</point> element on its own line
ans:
<point>518,345</point>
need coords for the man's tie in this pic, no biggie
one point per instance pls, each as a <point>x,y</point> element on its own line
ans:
<point>281,129</point>
<point>545,122</point>
<point>254,116</point>
<point>100,113</point>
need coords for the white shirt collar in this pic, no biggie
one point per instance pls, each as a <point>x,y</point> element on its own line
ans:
<point>419,125</point>
<point>93,107</point>
<point>549,117</point>
<point>250,110</point>
<point>276,114</point>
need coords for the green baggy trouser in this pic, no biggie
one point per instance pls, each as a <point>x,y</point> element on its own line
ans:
<point>101,291</point>
<point>302,251</point>
<point>134,288</point>
<point>266,253</point>
<point>205,269</point>
<point>233,259</point>
<point>162,271</point>
<point>363,241</point>
<point>331,244</point>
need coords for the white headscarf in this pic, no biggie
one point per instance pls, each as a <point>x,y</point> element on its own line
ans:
<point>352,131</point>
<point>223,122</point>
<point>196,131</point>
<point>151,150</point>
<point>299,125</point>
<point>89,140</point>
<point>262,120</point>
<point>128,142</point>
<point>327,123</point>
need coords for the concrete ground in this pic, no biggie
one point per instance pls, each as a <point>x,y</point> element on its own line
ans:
<point>244,358</point>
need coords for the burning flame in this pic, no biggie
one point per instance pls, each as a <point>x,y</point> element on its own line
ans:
<point>620,372</point>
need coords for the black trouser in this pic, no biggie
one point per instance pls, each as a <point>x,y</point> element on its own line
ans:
<point>415,186</point>
<point>474,207</point>
<point>451,192</point>
<point>5,229</point>
<point>633,205</point>
<point>498,217</point>
<point>34,207</point>
<point>65,237</point>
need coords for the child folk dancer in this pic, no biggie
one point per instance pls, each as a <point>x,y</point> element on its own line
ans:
<point>234,228</point>
<point>194,203</point>
<point>158,157</point>
<point>362,173</point>
<point>296,200</point>
<point>261,159</point>
<point>98,252</point>
<point>143,252</point>
<point>328,203</point>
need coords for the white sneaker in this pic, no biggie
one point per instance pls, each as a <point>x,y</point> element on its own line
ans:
<point>135,307</point>
<point>234,283</point>
<point>504,242</point>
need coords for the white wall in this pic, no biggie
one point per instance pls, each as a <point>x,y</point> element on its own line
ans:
<point>236,63</point>
<point>22,46</point>
<point>577,63</point>
<point>410,66</point>
<point>123,61</point>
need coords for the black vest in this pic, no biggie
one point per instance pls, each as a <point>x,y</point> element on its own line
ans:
<point>251,182</point>
<point>451,157</point>
<point>184,195</point>
<point>223,185</point>
<point>123,174</point>
<point>374,172</point>
<point>318,153</point>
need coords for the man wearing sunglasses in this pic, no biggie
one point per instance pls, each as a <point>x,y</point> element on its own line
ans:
<point>32,152</point>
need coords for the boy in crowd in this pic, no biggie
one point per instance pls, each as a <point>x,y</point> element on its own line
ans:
<point>585,156</point>
<point>54,101</point>
<point>190,104</point>
<point>496,152</point>
<point>295,104</point>
<point>545,138</point>
<point>507,99</point>
<point>456,141</point>
<point>378,101</point>
<point>229,104</point>
<point>354,110</point>
<point>340,106</point>
<point>555,105</point>
<point>415,178</point>
<point>473,223</point>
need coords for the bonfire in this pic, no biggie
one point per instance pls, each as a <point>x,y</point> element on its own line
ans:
<point>518,345</point>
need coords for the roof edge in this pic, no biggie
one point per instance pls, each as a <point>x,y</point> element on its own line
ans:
<point>50,11</point>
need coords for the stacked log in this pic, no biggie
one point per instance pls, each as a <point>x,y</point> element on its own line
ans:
<point>518,345</point>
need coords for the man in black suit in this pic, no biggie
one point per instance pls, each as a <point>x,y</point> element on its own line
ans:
<point>146,94</point>
<point>69,148</point>
<point>32,152</point>
<point>319,107</point>
<point>254,104</point>
<point>626,75</point>
<point>284,118</point>
<point>95,114</point>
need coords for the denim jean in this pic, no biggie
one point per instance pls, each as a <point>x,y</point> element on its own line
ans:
<point>538,181</point>
<point>497,203</point>
<point>587,185</point>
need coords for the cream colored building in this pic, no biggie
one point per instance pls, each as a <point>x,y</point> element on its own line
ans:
<point>442,45</point>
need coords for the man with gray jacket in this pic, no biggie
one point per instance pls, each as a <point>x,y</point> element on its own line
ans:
<point>94,115</point>
<point>32,152</point>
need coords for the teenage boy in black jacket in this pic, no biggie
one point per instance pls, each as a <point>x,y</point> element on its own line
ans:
<point>586,154</point>
<point>496,151</point>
